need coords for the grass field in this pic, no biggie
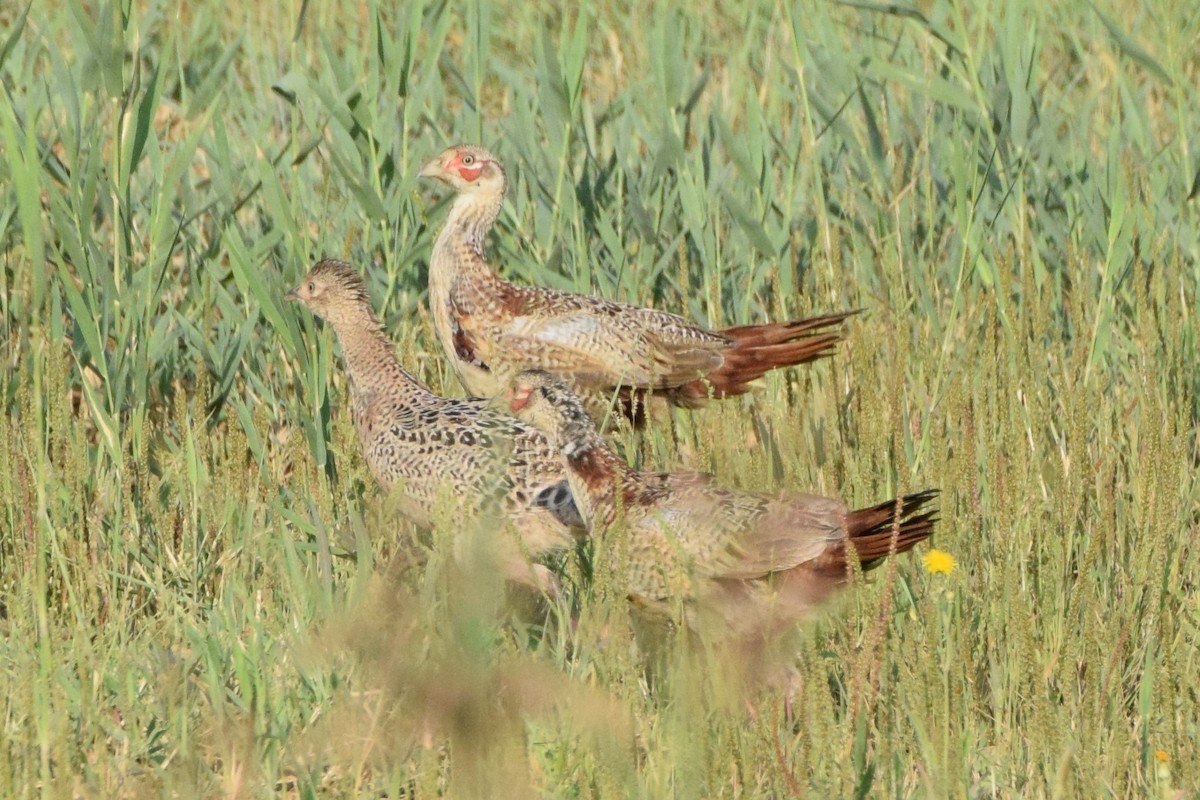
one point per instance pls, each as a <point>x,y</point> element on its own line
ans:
<point>201,594</point>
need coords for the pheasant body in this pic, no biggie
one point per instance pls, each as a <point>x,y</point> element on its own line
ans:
<point>682,538</point>
<point>425,450</point>
<point>491,328</point>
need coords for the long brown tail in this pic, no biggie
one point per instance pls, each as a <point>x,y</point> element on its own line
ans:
<point>758,349</point>
<point>871,532</point>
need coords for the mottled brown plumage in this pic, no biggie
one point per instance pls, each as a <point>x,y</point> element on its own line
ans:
<point>748,557</point>
<point>491,328</point>
<point>425,449</point>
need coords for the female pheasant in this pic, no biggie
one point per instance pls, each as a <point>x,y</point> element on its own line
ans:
<point>429,449</point>
<point>491,328</point>
<point>753,560</point>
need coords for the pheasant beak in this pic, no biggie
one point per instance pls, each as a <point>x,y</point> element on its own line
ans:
<point>432,170</point>
<point>292,295</point>
<point>519,399</point>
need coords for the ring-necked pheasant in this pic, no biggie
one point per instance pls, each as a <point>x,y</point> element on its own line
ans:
<point>750,558</point>
<point>491,328</point>
<point>429,449</point>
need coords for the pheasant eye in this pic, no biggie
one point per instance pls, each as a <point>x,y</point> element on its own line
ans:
<point>468,160</point>
<point>312,287</point>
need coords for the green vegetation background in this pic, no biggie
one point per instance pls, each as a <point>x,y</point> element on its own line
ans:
<point>199,595</point>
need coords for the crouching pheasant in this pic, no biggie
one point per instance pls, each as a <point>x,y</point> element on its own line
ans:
<point>425,449</point>
<point>755,561</point>
<point>491,328</point>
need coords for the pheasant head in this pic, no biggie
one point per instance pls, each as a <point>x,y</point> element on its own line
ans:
<point>547,403</point>
<point>470,169</point>
<point>335,292</point>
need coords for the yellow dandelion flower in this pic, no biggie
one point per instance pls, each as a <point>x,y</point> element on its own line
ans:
<point>1162,756</point>
<point>939,562</point>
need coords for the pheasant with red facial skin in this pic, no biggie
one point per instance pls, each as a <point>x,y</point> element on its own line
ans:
<point>491,328</point>
<point>752,559</point>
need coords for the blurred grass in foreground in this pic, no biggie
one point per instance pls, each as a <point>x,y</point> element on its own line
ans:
<point>198,592</point>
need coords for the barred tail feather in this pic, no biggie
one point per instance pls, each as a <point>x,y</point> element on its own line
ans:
<point>891,527</point>
<point>873,534</point>
<point>758,349</point>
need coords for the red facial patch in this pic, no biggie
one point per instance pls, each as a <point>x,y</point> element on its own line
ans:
<point>468,171</point>
<point>519,399</point>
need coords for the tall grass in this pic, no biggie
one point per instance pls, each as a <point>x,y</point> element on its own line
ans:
<point>200,592</point>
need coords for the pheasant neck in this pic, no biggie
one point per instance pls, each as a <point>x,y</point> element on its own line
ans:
<point>596,473</point>
<point>471,218</point>
<point>370,357</point>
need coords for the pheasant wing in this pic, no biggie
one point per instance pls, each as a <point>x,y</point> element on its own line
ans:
<point>761,535</point>
<point>600,351</point>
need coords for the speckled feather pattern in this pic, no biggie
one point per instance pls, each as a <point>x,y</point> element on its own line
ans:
<point>426,449</point>
<point>491,328</point>
<point>682,537</point>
